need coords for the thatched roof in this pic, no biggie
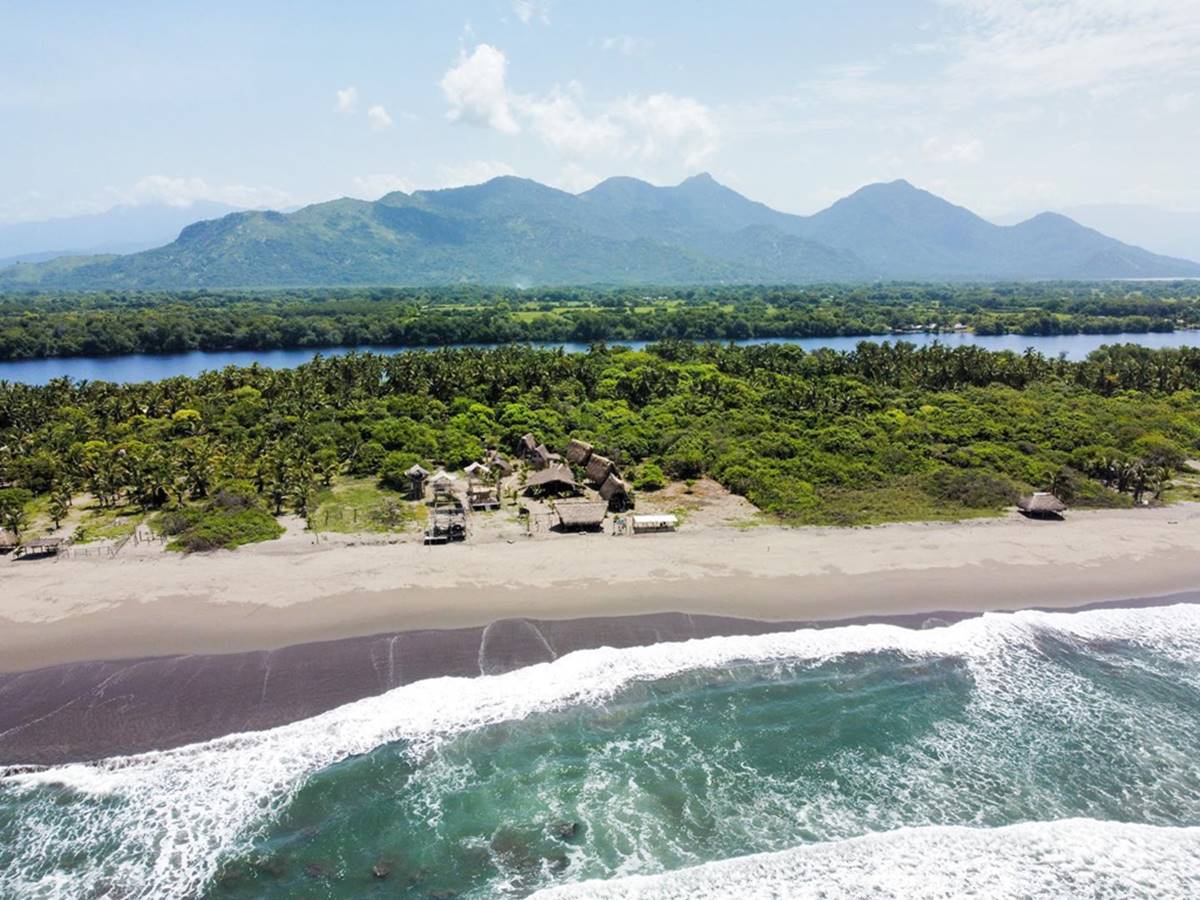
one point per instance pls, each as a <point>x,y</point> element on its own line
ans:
<point>613,487</point>
<point>1041,502</point>
<point>551,478</point>
<point>540,456</point>
<point>441,476</point>
<point>477,468</point>
<point>417,471</point>
<point>496,461</point>
<point>578,452</point>
<point>525,445</point>
<point>599,468</point>
<point>581,513</point>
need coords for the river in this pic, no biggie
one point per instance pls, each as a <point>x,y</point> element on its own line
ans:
<point>154,367</point>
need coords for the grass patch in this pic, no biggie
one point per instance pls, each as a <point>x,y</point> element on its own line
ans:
<point>356,505</point>
<point>880,505</point>
<point>111,523</point>
<point>232,517</point>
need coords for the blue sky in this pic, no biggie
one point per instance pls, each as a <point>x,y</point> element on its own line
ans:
<point>1000,105</point>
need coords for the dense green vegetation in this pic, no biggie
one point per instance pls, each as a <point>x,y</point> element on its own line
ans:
<point>104,324</point>
<point>886,432</point>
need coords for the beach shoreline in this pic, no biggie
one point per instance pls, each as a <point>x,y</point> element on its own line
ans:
<point>102,658</point>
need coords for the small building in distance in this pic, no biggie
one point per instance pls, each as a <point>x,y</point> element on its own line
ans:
<point>498,463</point>
<point>40,547</point>
<point>8,540</point>
<point>478,470</point>
<point>416,482</point>
<point>578,514</point>
<point>443,485</point>
<point>578,452</point>
<point>615,492</point>
<point>553,480</point>
<point>1042,505</point>
<point>650,524</point>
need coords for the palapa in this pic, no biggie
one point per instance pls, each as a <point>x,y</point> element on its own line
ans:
<point>580,513</point>
<point>541,457</point>
<point>615,492</point>
<point>551,479</point>
<point>599,468</point>
<point>1041,503</point>
<point>525,446</point>
<point>578,452</point>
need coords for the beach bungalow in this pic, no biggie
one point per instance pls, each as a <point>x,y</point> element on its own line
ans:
<point>477,470</point>
<point>578,514</point>
<point>541,457</point>
<point>652,524</point>
<point>498,463</point>
<point>443,484</point>
<point>1042,505</point>
<point>578,452</point>
<point>599,468</point>
<point>615,493</point>
<point>555,479</point>
<point>417,475</point>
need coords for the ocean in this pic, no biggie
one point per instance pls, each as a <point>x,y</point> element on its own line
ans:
<point>1010,755</point>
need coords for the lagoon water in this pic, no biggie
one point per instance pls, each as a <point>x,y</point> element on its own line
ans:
<point>152,367</point>
<point>1016,755</point>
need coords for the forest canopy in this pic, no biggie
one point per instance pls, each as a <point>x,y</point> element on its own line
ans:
<point>885,432</point>
<point>104,324</point>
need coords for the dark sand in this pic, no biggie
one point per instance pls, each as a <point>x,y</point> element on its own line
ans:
<point>82,711</point>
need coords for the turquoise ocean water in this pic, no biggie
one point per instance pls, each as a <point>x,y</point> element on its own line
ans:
<point>1022,755</point>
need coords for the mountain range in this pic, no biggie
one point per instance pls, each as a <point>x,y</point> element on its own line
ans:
<point>1172,232</point>
<point>514,231</point>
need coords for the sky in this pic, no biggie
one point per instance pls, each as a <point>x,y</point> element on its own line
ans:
<point>1000,105</point>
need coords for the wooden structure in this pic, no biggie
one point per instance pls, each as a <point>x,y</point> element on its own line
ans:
<point>477,470</point>
<point>525,446</point>
<point>8,540</point>
<point>599,468</point>
<point>578,514</point>
<point>541,457</point>
<point>416,482</point>
<point>481,495</point>
<point>40,547</point>
<point>578,452</point>
<point>615,492</point>
<point>555,479</point>
<point>498,463</point>
<point>1042,505</point>
<point>652,524</point>
<point>447,522</point>
<point>443,485</point>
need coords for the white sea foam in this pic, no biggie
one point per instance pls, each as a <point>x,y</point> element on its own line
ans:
<point>175,814</point>
<point>1064,859</point>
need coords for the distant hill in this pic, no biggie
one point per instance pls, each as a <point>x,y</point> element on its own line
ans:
<point>516,231</point>
<point>1160,230</point>
<point>122,229</point>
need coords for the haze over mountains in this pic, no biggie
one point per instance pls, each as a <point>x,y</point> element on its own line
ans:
<point>513,231</point>
<point>122,229</point>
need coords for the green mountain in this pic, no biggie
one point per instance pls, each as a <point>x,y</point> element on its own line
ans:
<point>516,231</point>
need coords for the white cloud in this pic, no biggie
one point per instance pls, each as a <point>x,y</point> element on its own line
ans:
<point>347,100</point>
<point>475,172</point>
<point>962,150</point>
<point>379,118</point>
<point>1035,47</point>
<point>183,192</point>
<point>626,44</point>
<point>528,10</point>
<point>372,187</point>
<point>665,125</point>
<point>476,91</point>
<point>558,119</point>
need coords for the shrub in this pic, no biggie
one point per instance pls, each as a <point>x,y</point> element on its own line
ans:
<point>649,478</point>
<point>973,488</point>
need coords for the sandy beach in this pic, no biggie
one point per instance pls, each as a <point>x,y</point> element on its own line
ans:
<point>294,591</point>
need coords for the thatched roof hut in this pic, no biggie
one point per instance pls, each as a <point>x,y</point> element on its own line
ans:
<point>525,446</point>
<point>498,463</point>
<point>578,452</point>
<point>615,492</point>
<point>553,479</point>
<point>477,470</point>
<point>578,513</point>
<point>1041,503</point>
<point>599,468</point>
<point>540,457</point>
<point>417,471</point>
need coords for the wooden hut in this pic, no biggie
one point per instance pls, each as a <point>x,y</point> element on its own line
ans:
<point>8,540</point>
<point>498,463</point>
<point>478,470</point>
<point>540,457</point>
<point>615,493</point>
<point>578,452</point>
<point>578,514</point>
<point>599,468</point>
<point>443,485</point>
<point>416,482</point>
<point>525,446</point>
<point>555,479</point>
<point>1042,505</point>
